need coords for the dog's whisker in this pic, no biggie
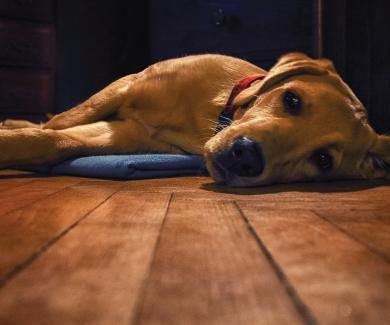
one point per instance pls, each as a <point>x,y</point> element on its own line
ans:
<point>211,121</point>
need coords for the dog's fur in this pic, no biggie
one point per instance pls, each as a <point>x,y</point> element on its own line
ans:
<point>173,107</point>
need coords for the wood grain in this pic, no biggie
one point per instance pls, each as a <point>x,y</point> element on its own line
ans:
<point>209,270</point>
<point>25,232</point>
<point>6,184</point>
<point>94,274</point>
<point>340,280</point>
<point>21,196</point>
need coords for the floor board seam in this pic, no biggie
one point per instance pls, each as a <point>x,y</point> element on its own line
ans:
<point>301,307</point>
<point>21,266</point>
<point>371,249</point>
<point>142,294</point>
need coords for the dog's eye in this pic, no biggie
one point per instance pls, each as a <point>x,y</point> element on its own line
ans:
<point>292,102</point>
<point>323,160</point>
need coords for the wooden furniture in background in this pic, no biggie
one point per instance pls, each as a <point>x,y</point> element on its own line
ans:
<point>27,58</point>
<point>55,54</point>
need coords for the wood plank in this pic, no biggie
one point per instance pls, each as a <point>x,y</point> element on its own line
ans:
<point>6,184</point>
<point>371,227</point>
<point>340,280</point>
<point>168,185</point>
<point>208,269</point>
<point>14,178</point>
<point>24,233</point>
<point>94,274</point>
<point>21,196</point>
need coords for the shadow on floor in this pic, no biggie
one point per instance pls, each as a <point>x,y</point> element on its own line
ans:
<point>319,187</point>
<point>12,175</point>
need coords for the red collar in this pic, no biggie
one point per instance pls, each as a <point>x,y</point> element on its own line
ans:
<point>226,116</point>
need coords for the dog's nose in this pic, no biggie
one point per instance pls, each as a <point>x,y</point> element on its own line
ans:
<point>243,158</point>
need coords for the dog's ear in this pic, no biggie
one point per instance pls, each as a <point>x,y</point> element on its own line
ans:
<point>292,57</point>
<point>294,64</point>
<point>301,58</point>
<point>377,162</point>
<point>327,64</point>
<point>288,65</point>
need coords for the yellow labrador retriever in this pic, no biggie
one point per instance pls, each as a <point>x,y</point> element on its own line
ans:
<point>299,121</point>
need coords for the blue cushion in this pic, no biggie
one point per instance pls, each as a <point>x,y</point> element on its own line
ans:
<point>138,166</point>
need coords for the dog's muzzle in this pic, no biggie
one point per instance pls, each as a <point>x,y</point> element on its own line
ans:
<point>244,158</point>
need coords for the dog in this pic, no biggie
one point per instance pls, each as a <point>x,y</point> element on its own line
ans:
<point>299,121</point>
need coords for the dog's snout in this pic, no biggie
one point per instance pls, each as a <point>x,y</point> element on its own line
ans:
<point>243,158</point>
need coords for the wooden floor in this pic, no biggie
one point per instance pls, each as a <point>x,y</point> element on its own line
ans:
<point>184,251</point>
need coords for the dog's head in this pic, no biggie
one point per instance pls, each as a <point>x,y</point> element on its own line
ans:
<point>303,123</point>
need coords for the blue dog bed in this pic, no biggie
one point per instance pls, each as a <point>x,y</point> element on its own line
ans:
<point>129,166</point>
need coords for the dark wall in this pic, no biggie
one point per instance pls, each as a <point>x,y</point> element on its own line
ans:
<point>357,39</point>
<point>98,41</point>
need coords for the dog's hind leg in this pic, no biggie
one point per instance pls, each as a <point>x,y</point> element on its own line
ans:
<point>19,124</point>
<point>30,146</point>
<point>96,108</point>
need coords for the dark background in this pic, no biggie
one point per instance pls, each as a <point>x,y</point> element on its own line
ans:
<point>54,54</point>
